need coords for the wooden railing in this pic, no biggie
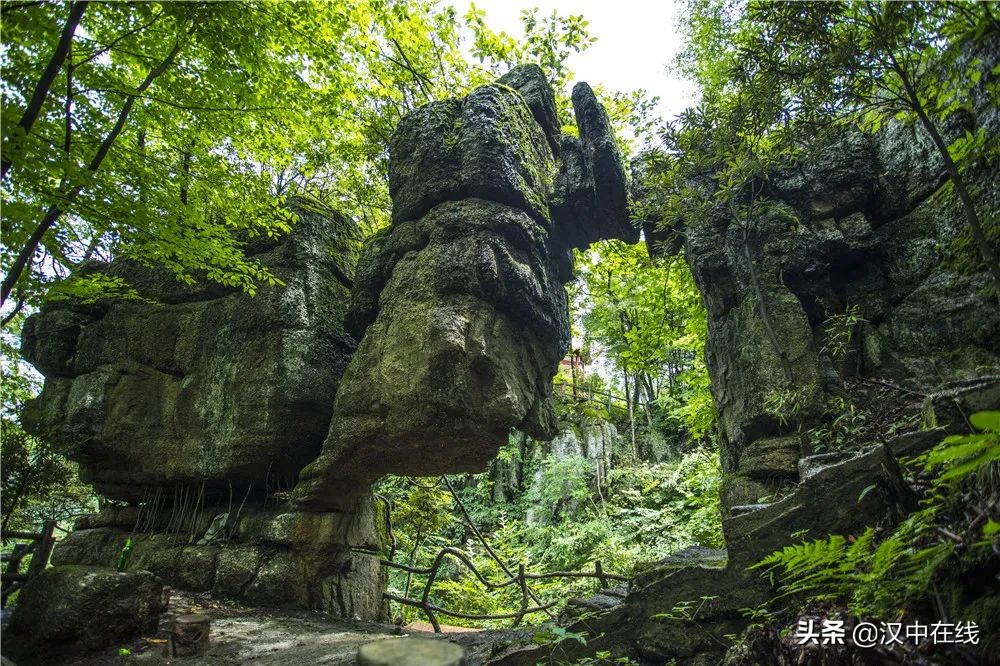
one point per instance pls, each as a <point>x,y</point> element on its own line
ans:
<point>39,546</point>
<point>520,579</point>
<point>584,393</point>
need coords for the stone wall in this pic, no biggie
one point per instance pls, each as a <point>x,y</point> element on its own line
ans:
<point>263,556</point>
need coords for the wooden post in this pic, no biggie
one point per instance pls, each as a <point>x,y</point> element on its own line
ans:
<point>12,578</point>
<point>43,549</point>
<point>425,599</point>
<point>189,631</point>
<point>599,570</point>
<point>523,582</point>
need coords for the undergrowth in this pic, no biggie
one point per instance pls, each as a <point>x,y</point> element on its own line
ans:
<point>886,572</point>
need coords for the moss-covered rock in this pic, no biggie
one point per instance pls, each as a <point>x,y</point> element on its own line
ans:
<point>195,568</point>
<point>204,386</point>
<point>486,146</point>
<point>530,81</point>
<point>81,606</point>
<point>280,582</point>
<point>236,567</point>
<point>461,302</point>
<point>99,547</point>
<point>589,202</point>
<point>771,456</point>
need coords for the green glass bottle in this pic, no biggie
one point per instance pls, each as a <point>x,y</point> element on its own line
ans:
<point>126,552</point>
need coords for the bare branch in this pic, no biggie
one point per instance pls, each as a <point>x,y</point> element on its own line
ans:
<point>128,33</point>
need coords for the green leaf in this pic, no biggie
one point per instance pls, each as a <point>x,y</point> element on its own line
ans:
<point>986,421</point>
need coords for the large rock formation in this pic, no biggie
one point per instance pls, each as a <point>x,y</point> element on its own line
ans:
<point>199,409</point>
<point>259,553</point>
<point>858,271</point>
<point>859,265</point>
<point>460,302</point>
<point>205,385</point>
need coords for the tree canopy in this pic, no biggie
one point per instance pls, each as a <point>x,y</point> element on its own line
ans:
<point>171,133</point>
<point>774,75</point>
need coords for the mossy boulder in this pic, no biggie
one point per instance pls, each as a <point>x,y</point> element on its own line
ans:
<point>195,568</point>
<point>99,547</point>
<point>486,145</point>
<point>204,385</point>
<point>67,607</point>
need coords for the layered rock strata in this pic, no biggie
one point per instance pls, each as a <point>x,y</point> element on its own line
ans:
<point>203,385</point>
<point>459,304</point>
<point>198,409</point>
<point>194,410</point>
<point>858,263</point>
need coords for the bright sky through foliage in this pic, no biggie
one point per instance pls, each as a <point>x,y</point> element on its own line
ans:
<point>636,42</point>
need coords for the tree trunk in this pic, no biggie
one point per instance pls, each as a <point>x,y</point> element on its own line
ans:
<point>645,384</point>
<point>971,216</point>
<point>631,415</point>
<point>413,558</point>
<point>968,205</point>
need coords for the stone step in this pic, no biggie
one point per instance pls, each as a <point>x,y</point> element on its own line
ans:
<point>411,652</point>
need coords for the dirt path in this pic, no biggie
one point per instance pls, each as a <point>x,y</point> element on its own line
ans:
<point>243,635</point>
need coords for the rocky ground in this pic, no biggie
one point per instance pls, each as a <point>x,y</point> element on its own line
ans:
<point>244,635</point>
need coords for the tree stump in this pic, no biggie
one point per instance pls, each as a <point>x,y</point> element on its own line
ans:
<point>189,633</point>
<point>411,652</point>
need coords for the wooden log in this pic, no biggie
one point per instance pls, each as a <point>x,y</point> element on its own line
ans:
<point>14,534</point>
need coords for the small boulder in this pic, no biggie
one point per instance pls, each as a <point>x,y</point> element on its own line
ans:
<point>82,606</point>
<point>580,608</point>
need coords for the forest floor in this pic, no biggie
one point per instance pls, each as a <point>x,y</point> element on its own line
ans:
<point>244,635</point>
